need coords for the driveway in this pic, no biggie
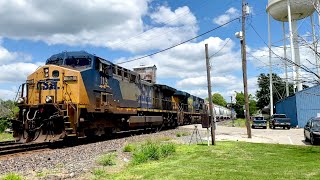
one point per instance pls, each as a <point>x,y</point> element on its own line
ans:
<point>274,136</point>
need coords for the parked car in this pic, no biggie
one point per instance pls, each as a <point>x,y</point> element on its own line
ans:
<point>279,120</point>
<point>258,122</point>
<point>312,130</point>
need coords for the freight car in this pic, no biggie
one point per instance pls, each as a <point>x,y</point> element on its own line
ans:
<point>77,94</point>
<point>221,113</point>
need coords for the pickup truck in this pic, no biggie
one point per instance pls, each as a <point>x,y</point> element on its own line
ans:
<point>279,120</point>
<point>259,121</point>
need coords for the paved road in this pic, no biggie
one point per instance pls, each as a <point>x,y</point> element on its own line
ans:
<point>274,136</point>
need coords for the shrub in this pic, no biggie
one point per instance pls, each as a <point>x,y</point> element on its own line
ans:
<point>107,159</point>
<point>167,149</point>
<point>152,151</point>
<point>11,176</point>
<point>128,148</point>
<point>4,124</point>
<point>147,151</point>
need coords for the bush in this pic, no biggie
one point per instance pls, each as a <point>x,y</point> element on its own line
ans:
<point>152,151</point>
<point>107,159</point>
<point>4,124</point>
<point>11,176</point>
<point>128,148</point>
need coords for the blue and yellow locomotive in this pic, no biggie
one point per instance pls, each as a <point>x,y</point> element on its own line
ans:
<point>77,94</point>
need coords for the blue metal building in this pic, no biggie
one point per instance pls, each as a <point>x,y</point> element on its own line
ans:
<point>301,106</point>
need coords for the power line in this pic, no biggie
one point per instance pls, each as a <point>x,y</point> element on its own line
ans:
<point>171,47</point>
<point>220,49</point>
<point>169,29</point>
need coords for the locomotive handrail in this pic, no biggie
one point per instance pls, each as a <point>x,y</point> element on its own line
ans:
<point>16,98</point>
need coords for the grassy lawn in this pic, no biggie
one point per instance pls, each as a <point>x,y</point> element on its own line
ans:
<point>228,160</point>
<point>5,137</point>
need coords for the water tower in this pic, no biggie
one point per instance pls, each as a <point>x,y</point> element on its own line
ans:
<point>289,11</point>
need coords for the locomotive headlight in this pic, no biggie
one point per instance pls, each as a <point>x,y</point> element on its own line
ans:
<point>20,100</point>
<point>48,99</point>
<point>70,78</point>
<point>46,72</point>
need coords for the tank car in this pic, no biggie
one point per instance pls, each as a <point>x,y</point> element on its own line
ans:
<point>77,94</point>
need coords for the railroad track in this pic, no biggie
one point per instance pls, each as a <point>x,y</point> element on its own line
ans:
<point>5,143</point>
<point>11,147</point>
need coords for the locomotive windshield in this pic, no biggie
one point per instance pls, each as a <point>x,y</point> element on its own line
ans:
<point>75,62</point>
<point>57,61</point>
<point>78,62</point>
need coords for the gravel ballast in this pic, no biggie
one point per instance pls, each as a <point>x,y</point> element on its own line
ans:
<point>72,161</point>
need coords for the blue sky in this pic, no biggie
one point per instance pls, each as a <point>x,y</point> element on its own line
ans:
<point>122,30</point>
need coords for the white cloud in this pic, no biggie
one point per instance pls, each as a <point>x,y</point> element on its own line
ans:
<point>7,94</point>
<point>188,60</point>
<point>6,56</point>
<point>186,65</point>
<point>14,68</point>
<point>164,15</point>
<point>216,81</point>
<point>260,59</point>
<point>227,16</point>
<point>16,72</point>
<point>114,24</point>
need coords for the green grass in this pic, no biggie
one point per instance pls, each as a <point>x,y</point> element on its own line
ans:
<point>6,137</point>
<point>151,151</point>
<point>128,148</point>
<point>11,176</point>
<point>100,174</point>
<point>107,159</point>
<point>231,160</point>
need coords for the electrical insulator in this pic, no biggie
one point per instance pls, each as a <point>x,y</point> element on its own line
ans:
<point>247,9</point>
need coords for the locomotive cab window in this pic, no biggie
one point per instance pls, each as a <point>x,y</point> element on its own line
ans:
<point>55,73</point>
<point>119,72</point>
<point>133,78</point>
<point>78,62</point>
<point>125,73</point>
<point>114,69</point>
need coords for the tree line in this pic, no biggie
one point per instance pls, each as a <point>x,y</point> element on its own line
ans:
<point>258,103</point>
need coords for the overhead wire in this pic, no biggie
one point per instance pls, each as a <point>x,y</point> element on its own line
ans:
<point>171,47</point>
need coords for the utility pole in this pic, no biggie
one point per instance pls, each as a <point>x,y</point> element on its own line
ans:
<point>244,65</point>
<point>231,112</point>
<point>213,123</point>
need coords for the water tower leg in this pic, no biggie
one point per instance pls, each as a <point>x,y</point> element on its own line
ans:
<point>295,56</point>
<point>285,57</point>
<point>314,43</point>
<point>270,72</point>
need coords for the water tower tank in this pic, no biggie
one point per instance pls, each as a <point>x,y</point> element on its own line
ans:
<point>300,9</point>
